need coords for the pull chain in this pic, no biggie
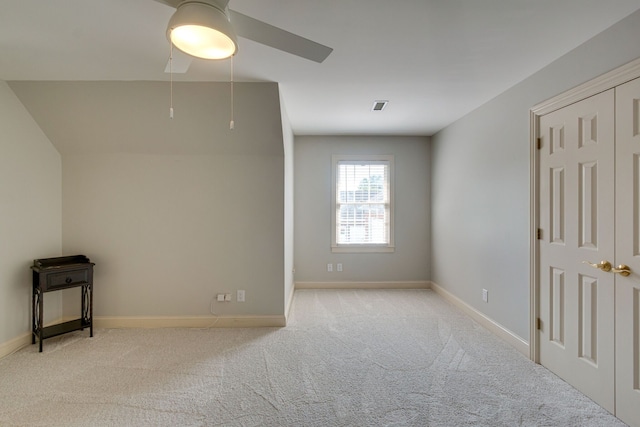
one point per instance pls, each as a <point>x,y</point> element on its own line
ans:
<point>232,123</point>
<point>171,80</point>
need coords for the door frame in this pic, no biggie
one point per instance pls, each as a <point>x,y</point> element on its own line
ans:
<point>609,80</point>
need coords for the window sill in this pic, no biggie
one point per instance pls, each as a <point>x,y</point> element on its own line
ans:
<point>356,249</point>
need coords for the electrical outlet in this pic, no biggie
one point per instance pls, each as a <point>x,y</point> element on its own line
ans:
<point>227,297</point>
<point>485,295</point>
<point>240,296</point>
<point>329,268</point>
<point>339,266</point>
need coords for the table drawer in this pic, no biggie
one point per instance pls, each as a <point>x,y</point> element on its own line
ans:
<point>65,279</point>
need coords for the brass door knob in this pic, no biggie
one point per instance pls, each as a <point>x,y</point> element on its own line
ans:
<point>622,270</point>
<point>603,265</point>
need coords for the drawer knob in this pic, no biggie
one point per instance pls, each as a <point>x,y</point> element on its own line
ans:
<point>68,280</point>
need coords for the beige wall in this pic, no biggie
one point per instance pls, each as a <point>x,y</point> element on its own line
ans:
<point>30,217</point>
<point>169,232</point>
<point>481,182</point>
<point>172,211</point>
<point>411,259</point>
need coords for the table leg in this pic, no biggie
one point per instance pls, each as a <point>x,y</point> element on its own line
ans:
<point>90,309</point>
<point>40,318</point>
<point>34,316</point>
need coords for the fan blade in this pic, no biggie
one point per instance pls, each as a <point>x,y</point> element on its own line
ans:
<point>180,64</point>
<point>278,38</point>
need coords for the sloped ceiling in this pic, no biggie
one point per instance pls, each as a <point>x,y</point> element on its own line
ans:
<point>133,117</point>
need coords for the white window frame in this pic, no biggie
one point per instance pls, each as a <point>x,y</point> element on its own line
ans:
<point>358,247</point>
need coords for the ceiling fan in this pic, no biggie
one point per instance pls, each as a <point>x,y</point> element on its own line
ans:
<point>214,18</point>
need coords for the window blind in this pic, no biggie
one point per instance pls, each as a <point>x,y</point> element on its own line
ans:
<point>362,203</point>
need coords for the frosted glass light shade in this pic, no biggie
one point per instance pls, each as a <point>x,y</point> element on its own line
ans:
<point>202,30</point>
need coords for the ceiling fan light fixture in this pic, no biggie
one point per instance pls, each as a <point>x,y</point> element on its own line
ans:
<point>202,30</point>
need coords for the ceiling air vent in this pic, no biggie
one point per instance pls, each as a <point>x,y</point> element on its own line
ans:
<point>379,105</point>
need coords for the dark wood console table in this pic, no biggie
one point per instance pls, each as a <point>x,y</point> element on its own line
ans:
<point>54,274</point>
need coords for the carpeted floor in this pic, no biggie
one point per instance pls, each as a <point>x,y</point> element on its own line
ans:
<point>347,358</point>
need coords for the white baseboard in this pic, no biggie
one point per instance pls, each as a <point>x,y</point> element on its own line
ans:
<point>190,322</point>
<point>15,344</point>
<point>497,329</point>
<point>363,285</point>
<point>21,341</point>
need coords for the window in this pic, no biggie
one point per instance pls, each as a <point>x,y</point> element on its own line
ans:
<point>362,204</point>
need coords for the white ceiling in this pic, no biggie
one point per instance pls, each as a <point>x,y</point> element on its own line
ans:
<point>434,60</point>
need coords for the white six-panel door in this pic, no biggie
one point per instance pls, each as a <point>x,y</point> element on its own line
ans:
<point>628,252</point>
<point>589,252</point>
<point>576,217</point>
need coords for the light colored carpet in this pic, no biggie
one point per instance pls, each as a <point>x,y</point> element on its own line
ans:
<point>347,358</point>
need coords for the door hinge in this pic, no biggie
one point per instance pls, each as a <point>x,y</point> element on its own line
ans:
<point>539,234</point>
<point>538,323</point>
<point>539,143</point>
